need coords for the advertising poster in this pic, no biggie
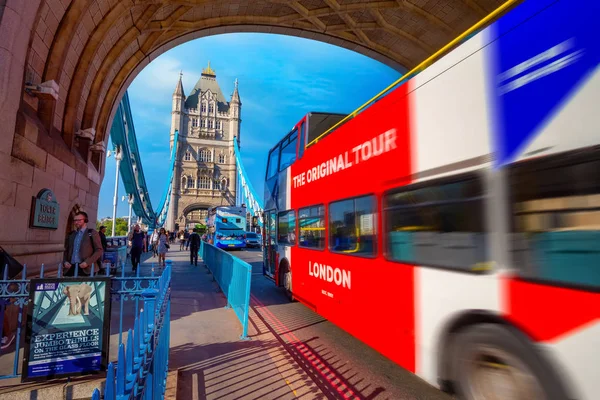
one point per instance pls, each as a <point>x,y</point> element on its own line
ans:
<point>68,328</point>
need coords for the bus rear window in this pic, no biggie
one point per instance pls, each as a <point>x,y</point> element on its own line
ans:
<point>273,165</point>
<point>288,151</point>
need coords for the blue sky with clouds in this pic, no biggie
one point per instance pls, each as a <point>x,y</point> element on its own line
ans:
<point>281,78</point>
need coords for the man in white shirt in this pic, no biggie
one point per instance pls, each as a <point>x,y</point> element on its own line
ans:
<point>154,241</point>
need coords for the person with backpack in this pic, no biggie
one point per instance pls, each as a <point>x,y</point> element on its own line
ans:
<point>138,242</point>
<point>83,247</point>
<point>194,243</point>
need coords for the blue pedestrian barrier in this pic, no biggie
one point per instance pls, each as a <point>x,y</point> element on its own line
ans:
<point>143,364</point>
<point>233,276</point>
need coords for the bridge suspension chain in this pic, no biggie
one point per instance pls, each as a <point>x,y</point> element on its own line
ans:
<point>124,140</point>
<point>248,195</point>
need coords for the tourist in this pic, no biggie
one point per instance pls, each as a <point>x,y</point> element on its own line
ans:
<point>138,242</point>
<point>83,248</point>
<point>163,246</point>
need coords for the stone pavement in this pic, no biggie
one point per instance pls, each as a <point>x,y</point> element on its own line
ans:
<point>211,360</point>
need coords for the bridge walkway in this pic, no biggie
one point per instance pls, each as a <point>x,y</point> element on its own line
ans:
<point>206,351</point>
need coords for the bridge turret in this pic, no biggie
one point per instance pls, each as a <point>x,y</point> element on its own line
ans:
<point>235,112</point>
<point>178,109</point>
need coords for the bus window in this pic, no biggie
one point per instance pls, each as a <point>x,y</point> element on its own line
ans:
<point>302,140</point>
<point>438,224</point>
<point>352,226</point>
<point>273,165</point>
<point>288,151</point>
<point>311,222</point>
<point>286,228</point>
<point>556,218</point>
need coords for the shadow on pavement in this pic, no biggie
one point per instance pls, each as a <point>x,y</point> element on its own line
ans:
<point>232,370</point>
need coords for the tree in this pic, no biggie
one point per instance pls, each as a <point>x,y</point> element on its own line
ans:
<point>200,228</point>
<point>120,228</point>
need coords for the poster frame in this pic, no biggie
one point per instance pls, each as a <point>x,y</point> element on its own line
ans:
<point>101,372</point>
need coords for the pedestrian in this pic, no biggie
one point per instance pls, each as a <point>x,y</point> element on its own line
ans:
<point>186,238</point>
<point>138,241</point>
<point>181,241</point>
<point>154,241</point>
<point>83,247</point>
<point>163,246</point>
<point>102,233</point>
<point>194,243</point>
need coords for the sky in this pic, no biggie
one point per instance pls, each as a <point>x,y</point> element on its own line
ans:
<point>281,78</point>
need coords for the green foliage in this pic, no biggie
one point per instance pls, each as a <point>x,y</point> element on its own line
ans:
<point>120,228</point>
<point>201,228</point>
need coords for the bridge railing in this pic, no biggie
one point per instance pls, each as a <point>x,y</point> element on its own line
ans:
<point>142,366</point>
<point>151,329</point>
<point>233,276</point>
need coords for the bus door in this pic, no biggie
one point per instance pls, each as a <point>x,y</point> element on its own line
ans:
<point>270,247</point>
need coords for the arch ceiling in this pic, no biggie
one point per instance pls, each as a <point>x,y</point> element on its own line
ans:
<point>92,49</point>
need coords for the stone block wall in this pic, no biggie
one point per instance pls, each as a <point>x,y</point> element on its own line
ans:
<point>32,157</point>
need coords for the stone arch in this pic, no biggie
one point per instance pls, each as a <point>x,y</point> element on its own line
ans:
<point>97,45</point>
<point>195,206</point>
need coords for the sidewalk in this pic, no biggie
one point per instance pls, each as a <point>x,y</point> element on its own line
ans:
<point>206,349</point>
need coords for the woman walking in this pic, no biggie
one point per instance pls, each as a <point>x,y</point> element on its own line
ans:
<point>163,246</point>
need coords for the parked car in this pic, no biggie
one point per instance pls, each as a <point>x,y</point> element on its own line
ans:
<point>252,239</point>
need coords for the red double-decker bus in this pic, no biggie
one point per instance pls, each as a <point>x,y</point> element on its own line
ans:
<point>453,224</point>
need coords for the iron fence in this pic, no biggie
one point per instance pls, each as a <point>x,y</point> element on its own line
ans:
<point>142,366</point>
<point>233,276</point>
<point>151,331</point>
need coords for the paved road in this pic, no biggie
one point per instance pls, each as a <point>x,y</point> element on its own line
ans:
<point>340,365</point>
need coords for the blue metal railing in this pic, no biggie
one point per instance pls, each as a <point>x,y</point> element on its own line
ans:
<point>248,195</point>
<point>123,135</point>
<point>142,366</point>
<point>15,292</point>
<point>233,276</point>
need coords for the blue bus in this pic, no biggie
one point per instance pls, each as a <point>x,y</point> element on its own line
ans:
<point>226,227</point>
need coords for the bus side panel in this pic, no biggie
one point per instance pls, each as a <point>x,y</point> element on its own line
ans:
<point>544,79</point>
<point>450,135</point>
<point>546,99</point>
<point>375,300</point>
<point>566,321</point>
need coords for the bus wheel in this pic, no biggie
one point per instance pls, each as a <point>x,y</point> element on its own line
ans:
<point>491,363</point>
<point>286,280</point>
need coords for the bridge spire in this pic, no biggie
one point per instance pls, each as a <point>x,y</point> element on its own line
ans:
<point>235,97</point>
<point>179,88</point>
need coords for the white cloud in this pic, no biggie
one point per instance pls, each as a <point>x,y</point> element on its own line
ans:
<point>158,80</point>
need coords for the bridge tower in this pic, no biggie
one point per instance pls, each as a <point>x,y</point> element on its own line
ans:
<point>205,168</point>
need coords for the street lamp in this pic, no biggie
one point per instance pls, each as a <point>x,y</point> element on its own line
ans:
<point>129,199</point>
<point>118,157</point>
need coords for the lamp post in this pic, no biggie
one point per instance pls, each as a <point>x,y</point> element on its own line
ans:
<point>118,157</point>
<point>129,198</point>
